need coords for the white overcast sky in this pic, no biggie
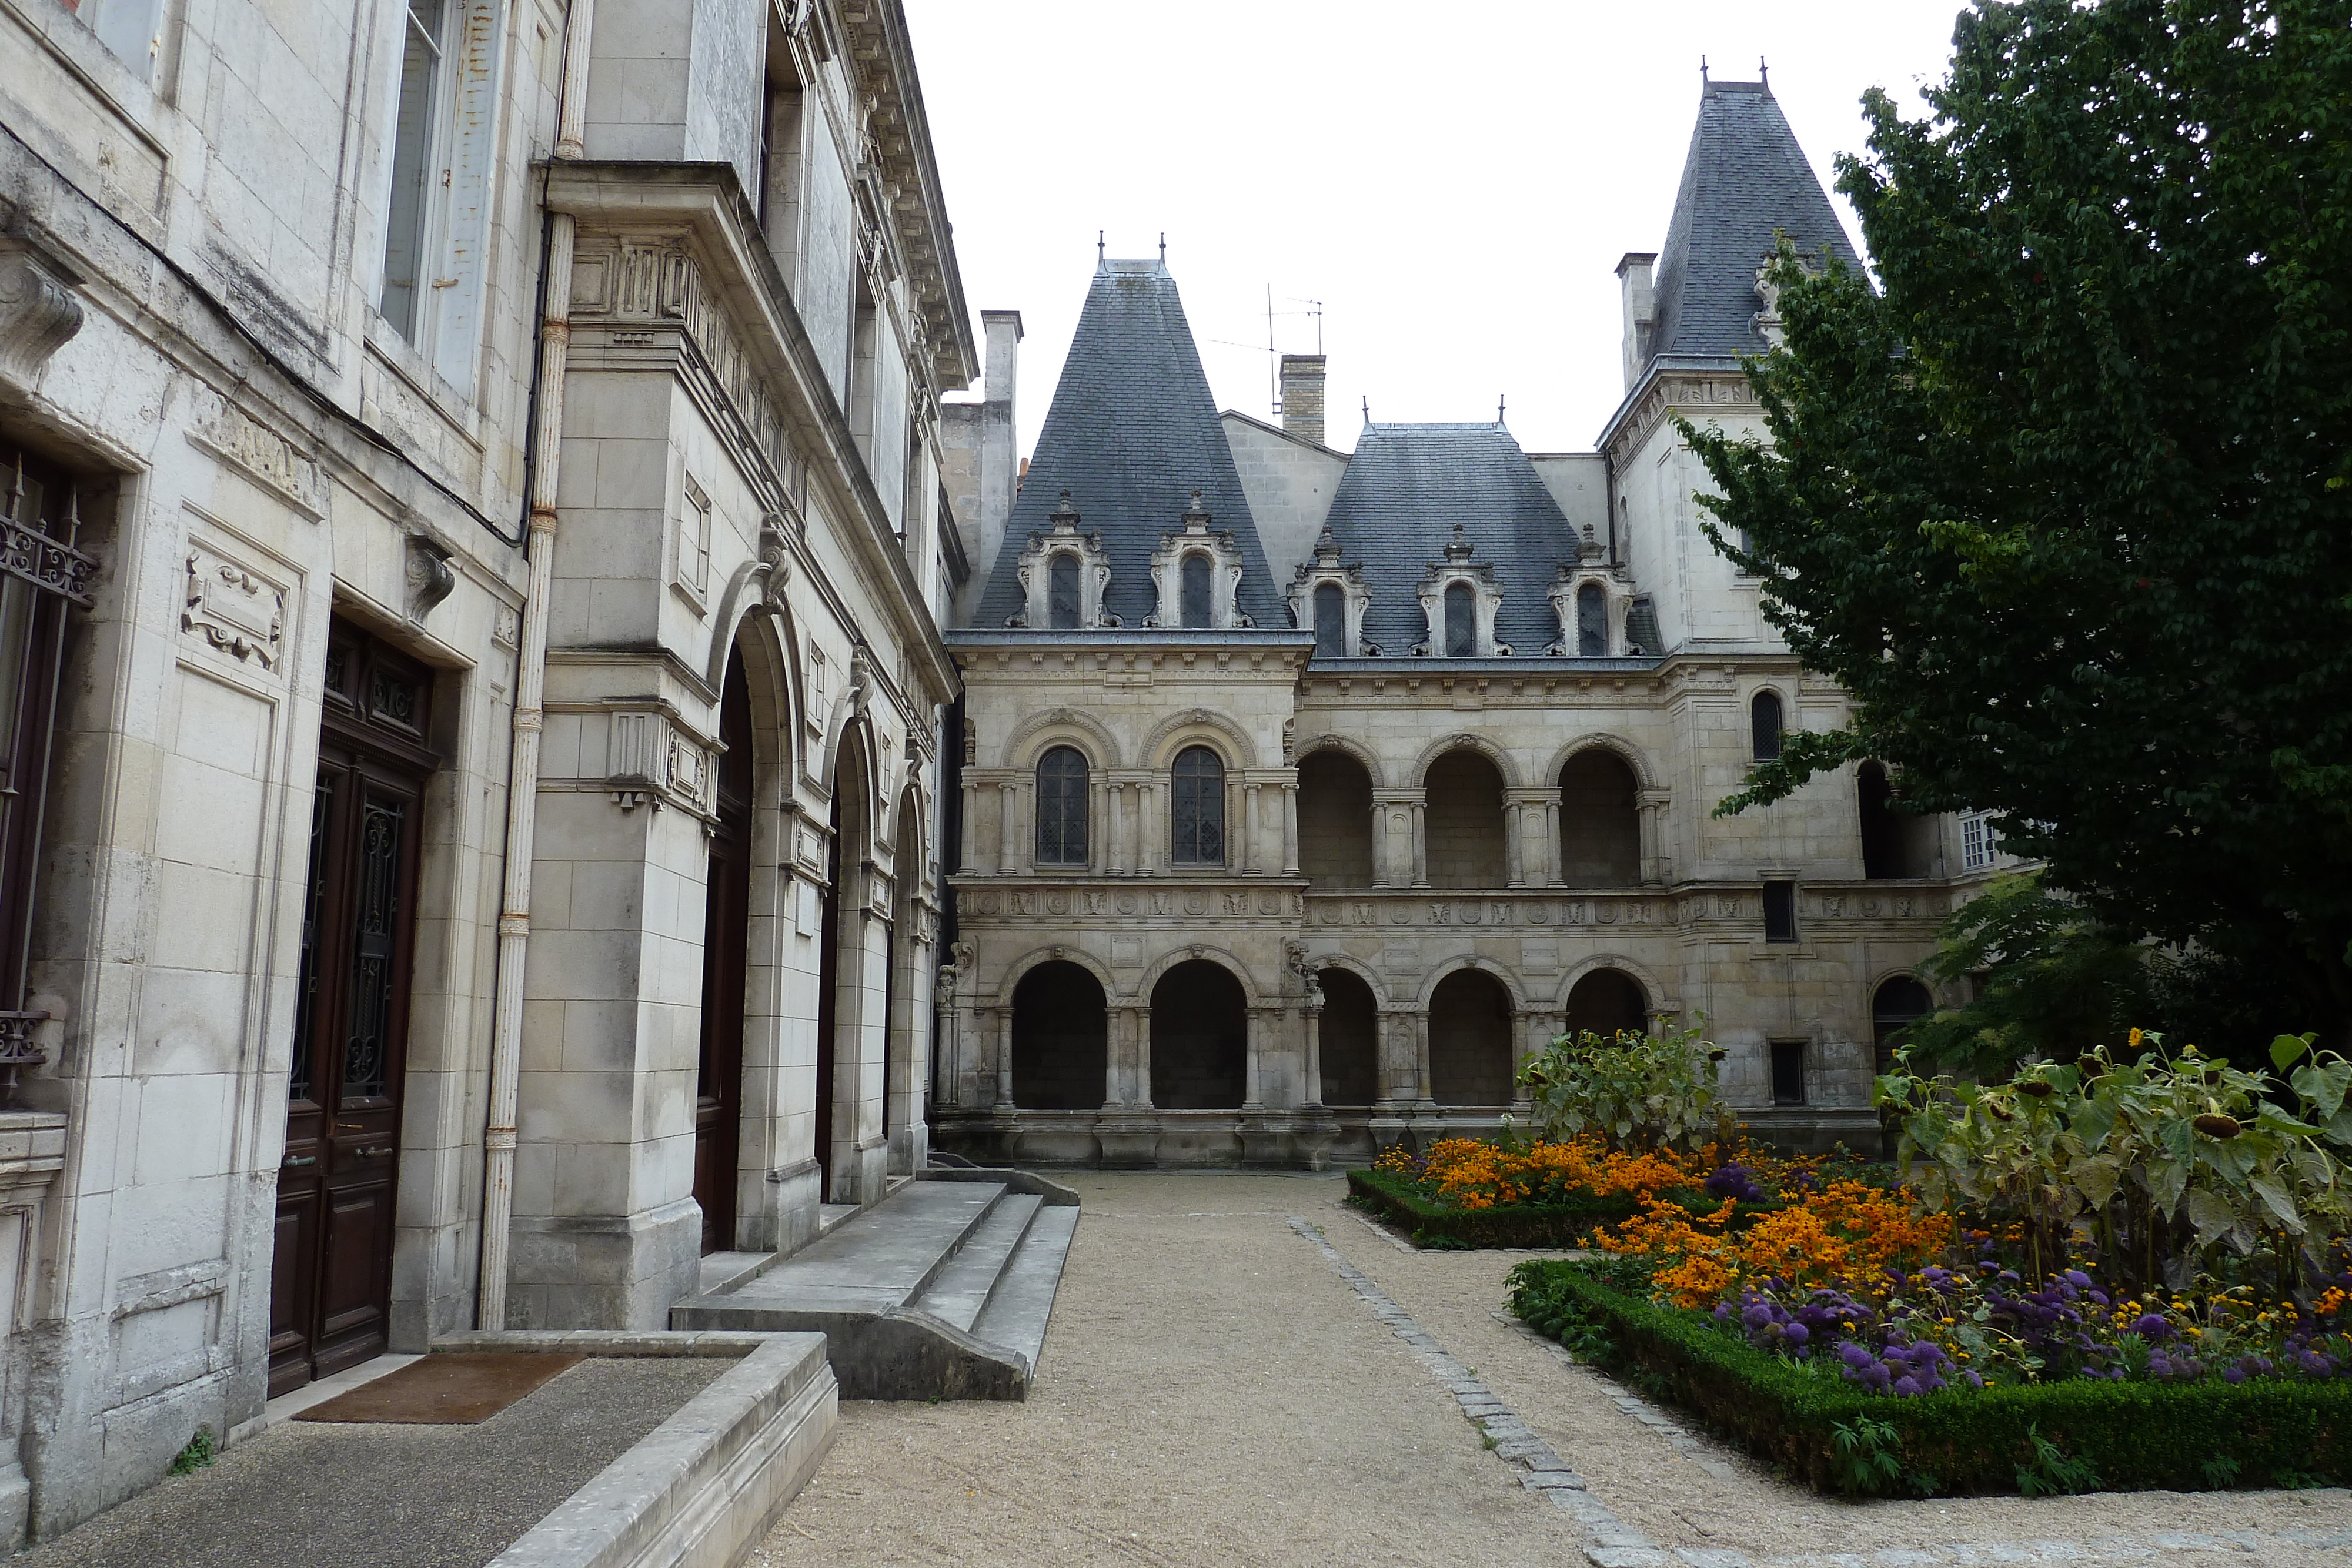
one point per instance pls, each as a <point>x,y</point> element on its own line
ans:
<point>1454,182</point>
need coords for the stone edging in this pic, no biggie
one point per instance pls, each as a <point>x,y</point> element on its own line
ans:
<point>1609,1541</point>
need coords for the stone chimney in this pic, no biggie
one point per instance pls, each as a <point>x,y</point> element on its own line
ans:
<point>999,467</point>
<point>1641,311</point>
<point>1302,396</point>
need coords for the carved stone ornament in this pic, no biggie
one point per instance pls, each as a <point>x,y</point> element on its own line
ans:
<point>1036,570</point>
<point>232,610</point>
<point>1566,593</point>
<point>1327,568</point>
<point>38,312</point>
<point>431,578</point>
<point>650,762</point>
<point>775,557</point>
<point>1196,537</point>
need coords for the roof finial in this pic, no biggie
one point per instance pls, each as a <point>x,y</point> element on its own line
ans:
<point>1702,70</point>
<point>1764,73</point>
<point>1367,409</point>
<point>1163,247</point>
<point>1098,247</point>
<point>1499,400</point>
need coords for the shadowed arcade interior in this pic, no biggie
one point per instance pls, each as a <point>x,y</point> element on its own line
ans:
<point>1199,1039</point>
<point>1470,1040</point>
<point>1061,1040</point>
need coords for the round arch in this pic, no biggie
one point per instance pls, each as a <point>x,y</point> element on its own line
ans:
<point>1355,966</point>
<point>1444,967</point>
<point>1221,956</point>
<point>1364,755</point>
<point>836,742</point>
<point>1040,732</point>
<point>1473,1044</point>
<point>1009,980</point>
<point>772,678</point>
<point>1645,776</point>
<point>1198,727</point>
<point>1640,974</point>
<point>1486,745</point>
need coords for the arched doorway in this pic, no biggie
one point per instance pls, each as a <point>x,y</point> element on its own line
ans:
<point>1606,1001</point>
<point>1600,822</point>
<point>903,1076</point>
<point>842,969</point>
<point>726,941</point>
<point>1061,1038</point>
<point>1470,1040</point>
<point>1349,1035</point>
<point>1464,821</point>
<point>1335,820</point>
<point>1199,1039</point>
<point>1900,1003</point>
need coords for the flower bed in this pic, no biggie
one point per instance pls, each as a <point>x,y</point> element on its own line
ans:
<point>1837,1433</point>
<point>1398,1199</point>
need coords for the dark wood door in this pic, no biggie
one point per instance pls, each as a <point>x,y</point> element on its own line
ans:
<point>331,1282</point>
<point>725,935</point>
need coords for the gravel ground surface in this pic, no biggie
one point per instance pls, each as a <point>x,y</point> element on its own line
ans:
<point>378,1496</point>
<point>1213,1391</point>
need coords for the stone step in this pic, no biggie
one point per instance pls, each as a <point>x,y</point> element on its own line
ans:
<point>877,1262</point>
<point>963,1287</point>
<point>1018,1308</point>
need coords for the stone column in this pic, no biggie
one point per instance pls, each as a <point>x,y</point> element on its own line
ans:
<point>1523,1035</point>
<point>1115,1059</point>
<point>1005,1059</point>
<point>1150,832</point>
<point>1115,831</point>
<point>1420,839</point>
<point>1312,1090</point>
<point>1290,830</point>
<point>1142,1098</point>
<point>1233,824</point>
<point>1097,824</point>
<point>1008,843</point>
<point>1252,838</point>
<point>967,862</point>
<point>1513,859</point>
<point>1658,863</point>
<point>1253,1076</point>
<point>1420,1057</point>
<point>1380,842</point>
<point>1554,851</point>
<point>1025,812</point>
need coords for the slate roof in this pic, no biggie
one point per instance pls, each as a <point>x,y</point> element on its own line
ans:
<point>1131,433</point>
<point>1745,178</point>
<point>1407,485</point>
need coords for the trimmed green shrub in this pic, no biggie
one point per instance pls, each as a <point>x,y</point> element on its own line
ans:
<point>2133,1437</point>
<point>1397,1200</point>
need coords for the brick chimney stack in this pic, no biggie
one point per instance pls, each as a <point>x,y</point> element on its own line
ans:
<point>1302,396</point>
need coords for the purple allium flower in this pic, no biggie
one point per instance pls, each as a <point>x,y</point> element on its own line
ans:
<point>2148,1326</point>
<point>1853,1355</point>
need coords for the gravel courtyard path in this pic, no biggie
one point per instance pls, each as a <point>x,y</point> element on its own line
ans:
<point>1213,1392</point>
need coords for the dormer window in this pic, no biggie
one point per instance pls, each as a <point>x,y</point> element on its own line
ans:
<point>1328,597</point>
<point>1063,575</point>
<point>1592,600</point>
<point>1460,599</point>
<point>1197,575</point>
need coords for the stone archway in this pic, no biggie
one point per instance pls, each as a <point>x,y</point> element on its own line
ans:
<point>1606,1001</point>
<point>1349,1039</point>
<point>1470,1056</point>
<point>1061,1038</point>
<point>1199,1039</point>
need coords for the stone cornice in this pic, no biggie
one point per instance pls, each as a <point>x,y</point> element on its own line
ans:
<point>1674,386</point>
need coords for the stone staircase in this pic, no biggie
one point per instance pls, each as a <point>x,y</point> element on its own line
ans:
<point>941,1291</point>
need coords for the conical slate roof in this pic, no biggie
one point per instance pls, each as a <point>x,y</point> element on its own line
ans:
<point>1131,433</point>
<point>1406,488</point>
<point>1745,179</point>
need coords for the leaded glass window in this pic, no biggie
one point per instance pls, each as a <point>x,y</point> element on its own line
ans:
<point>1461,623</point>
<point>1592,621</point>
<point>1764,719</point>
<point>1062,808</point>
<point>1330,622</point>
<point>1197,808</point>
<point>1194,606</point>
<point>1062,593</point>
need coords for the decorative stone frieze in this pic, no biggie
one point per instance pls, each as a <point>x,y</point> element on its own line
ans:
<point>1197,539</point>
<point>232,609</point>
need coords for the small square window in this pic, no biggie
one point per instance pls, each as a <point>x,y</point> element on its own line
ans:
<point>1788,1072</point>
<point>1978,844</point>
<point>1779,912</point>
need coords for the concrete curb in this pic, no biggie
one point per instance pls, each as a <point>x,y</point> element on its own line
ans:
<point>704,1487</point>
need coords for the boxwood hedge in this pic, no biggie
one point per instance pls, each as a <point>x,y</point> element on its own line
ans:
<point>1399,1201</point>
<point>2136,1436</point>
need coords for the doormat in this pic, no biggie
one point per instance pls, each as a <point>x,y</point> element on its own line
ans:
<point>447,1390</point>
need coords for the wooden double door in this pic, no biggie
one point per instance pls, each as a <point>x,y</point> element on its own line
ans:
<point>726,941</point>
<point>330,1282</point>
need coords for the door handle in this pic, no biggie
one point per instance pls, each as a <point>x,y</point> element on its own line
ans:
<point>298,1161</point>
<point>371,1154</point>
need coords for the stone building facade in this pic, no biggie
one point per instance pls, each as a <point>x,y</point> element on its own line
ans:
<point>1304,795</point>
<point>472,672</point>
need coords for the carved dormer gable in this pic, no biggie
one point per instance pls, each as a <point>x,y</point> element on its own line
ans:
<point>1197,539</point>
<point>1769,325</point>
<point>1081,562</point>
<point>1328,569</point>
<point>1485,599</point>
<point>1590,599</point>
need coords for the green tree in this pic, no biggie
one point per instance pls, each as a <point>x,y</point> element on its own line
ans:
<point>2066,502</point>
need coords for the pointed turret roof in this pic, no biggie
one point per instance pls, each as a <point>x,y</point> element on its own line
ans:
<point>1744,180</point>
<point>1131,433</point>
<point>1408,489</point>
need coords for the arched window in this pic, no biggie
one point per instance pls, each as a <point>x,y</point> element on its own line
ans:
<point>1592,621</point>
<point>1193,601</point>
<point>1196,816</point>
<point>1899,1004</point>
<point>1062,808</point>
<point>1764,722</point>
<point>1062,592</point>
<point>1330,622</point>
<point>1461,623</point>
